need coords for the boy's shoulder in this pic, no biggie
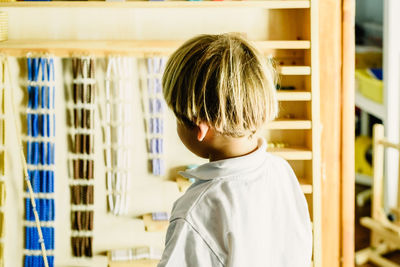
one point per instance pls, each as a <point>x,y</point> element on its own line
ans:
<point>208,190</point>
<point>189,200</point>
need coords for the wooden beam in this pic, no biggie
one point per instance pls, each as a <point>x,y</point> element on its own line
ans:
<point>348,119</point>
<point>381,261</point>
<point>380,230</point>
<point>286,95</point>
<point>66,48</point>
<point>289,124</point>
<point>292,153</point>
<point>386,143</point>
<point>294,70</point>
<point>377,185</point>
<point>362,256</point>
<point>330,89</point>
<point>269,4</point>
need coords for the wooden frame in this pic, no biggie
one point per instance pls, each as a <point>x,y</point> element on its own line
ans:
<point>347,133</point>
<point>337,57</point>
<point>307,153</point>
<point>385,235</point>
<point>270,4</point>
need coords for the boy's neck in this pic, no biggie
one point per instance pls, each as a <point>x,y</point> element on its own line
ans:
<point>224,147</point>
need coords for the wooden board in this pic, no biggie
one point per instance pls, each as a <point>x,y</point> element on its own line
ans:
<point>289,124</point>
<point>269,4</point>
<point>348,132</point>
<point>183,184</point>
<point>286,95</point>
<point>294,70</point>
<point>292,153</point>
<point>65,48</point>
<point>154,226</point>
<point>135,263</point>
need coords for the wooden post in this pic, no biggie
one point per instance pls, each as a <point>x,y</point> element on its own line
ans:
<point>377,185</point>
<point>348,119</point>
<point>330,30</point>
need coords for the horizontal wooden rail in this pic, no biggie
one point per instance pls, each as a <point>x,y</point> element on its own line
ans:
<point>292,153</point>
<point>66,48</point>
<point>386,143</point>
<point>294,70</point>
<point>289,95</point>
<point>265,4</point>
<point>288,124</point>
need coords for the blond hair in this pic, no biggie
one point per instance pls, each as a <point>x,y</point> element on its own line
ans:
<point>222,80</point>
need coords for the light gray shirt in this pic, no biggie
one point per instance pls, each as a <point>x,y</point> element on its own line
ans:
<point>245,211</point>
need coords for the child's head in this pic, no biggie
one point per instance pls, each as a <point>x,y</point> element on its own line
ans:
<point>222,80</point>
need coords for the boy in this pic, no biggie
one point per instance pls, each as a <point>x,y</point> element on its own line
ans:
<point>246,207</point>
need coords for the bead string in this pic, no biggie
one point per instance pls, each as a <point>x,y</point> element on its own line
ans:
<point>82,156</point>
<point>118,85</point>
<point>40,158</point>
<point>155,114</point>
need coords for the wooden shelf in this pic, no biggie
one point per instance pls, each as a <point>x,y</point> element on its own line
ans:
<point>305,186</point>
<point>154,226</point>
<point>265,45</point>
<point>363,179</point>
<point>294,70</point>
<point>267,4</point>
<point>370,106</point>
<point>289,124</point>
<point>134,263</point>
<point>291,95</point>
<point>292,153</point>
<point>65,48</point>
<point>183,183</point>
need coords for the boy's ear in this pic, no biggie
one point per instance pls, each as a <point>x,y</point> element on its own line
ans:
<point>202,131</point>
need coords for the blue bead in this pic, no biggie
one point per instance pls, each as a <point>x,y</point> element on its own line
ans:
<point>29,154</point>
<point>27,233</point>
<point>43,95</point>
<point>51,181</point>
<point>28,124</point>
<point>35,181</point>
<point>42,155</point>
<point>53,214</point>
<point>51,261</point>
<point>35,153</point>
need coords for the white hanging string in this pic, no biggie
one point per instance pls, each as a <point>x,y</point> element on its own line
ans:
<point>118,84</point>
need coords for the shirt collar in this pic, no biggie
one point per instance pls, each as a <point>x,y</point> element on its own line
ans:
<point>227,167</point>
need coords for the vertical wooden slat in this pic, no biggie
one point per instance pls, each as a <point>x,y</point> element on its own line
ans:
<point>398,185</point>
<point>330,15</point>
<point>348,119</point>
<point>316,141</point>
<point>377,186</point>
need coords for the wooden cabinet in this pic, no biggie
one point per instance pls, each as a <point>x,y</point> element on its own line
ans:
<point>284,30</point>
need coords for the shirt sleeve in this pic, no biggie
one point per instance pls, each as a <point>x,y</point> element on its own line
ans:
<point>185,247</point>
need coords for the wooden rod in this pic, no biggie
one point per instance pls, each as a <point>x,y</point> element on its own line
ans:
<point>386,143</point>
<point>269,4</point>
<point>348,136</point>
<point>377,185</point>
<point>381,261</point>
<point>142,48</point>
